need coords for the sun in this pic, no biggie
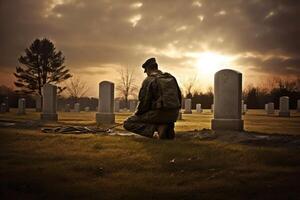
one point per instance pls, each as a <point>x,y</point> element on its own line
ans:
<point>208,63</point>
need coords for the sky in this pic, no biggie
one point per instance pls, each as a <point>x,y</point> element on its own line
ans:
<point>191,39</point>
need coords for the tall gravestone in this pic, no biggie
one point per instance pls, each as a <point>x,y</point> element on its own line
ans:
<point>188,106</point>
<point>198,108</point>
<point>49,103</point>
<point>105,113</point>
<point>298,105</point>
<point>132,105</point>
<point>227,101</point>
<point>270,108</point>
<point>266,107</point>
<point>284,108</point>
<point>212,108</point>
<point>243,110</point>
<point>21,106</point>
<point>117,106</point>
<point>38,103</point>
<point>77,107</point>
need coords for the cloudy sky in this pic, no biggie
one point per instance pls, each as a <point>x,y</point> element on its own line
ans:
<point>189,38</point>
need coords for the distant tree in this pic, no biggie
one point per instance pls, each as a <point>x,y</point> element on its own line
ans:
<point>126,84</point>
<point>41,64</point>
<point>76,88</point>
<point>189,86</point>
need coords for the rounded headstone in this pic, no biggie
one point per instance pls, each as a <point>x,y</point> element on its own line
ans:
<point>227,101</point>
<point>284,107</point>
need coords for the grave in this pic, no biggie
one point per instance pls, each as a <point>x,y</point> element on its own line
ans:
<point>49,103</point>
<point>117,106</point>
<point>105,113</point>
<point>284,107</point>
<point>227,101</point>
<point>270,108</point>
<point>188,106</point>
<point>21,106</point>
<point>77,107</point>
<point>198,108</point>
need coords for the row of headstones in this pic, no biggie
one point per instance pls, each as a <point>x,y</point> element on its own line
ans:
<point>284,108</point>
<point>106,108</point>
<point>188,107</point>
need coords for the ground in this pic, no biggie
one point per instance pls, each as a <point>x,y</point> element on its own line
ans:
<point>199,164</point>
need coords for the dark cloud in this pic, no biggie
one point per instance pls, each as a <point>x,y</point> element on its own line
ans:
<point>98,32</point>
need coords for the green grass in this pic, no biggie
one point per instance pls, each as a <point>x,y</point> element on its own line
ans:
<point>38,165</point>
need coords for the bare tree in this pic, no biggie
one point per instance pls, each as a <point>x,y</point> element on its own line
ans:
<point>189,86</point>
<point>126,84</point>
<point>76,88</point>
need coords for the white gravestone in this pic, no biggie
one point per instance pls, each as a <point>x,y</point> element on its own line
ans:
<point>227,101</point>
<point>188,106</point>
<point>87,109</point>
<point>77,107</point>
<point>212,108</point>
<point>243,110</point>
<point>179,115</point>
<point>132,105</point>
<point>38,103</point>
<point>49,102</point>
<point>198,108</point>
<point>21,106</point>
<point>105,113</point>
<point>117,106</point>
<point>270,108</point>
<point>284,107</point>
<point>266,107</point>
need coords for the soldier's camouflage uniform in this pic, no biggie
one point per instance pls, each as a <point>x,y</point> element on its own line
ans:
<point>147,117</point>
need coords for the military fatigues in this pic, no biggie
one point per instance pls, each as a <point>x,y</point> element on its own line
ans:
<point>147,116</point>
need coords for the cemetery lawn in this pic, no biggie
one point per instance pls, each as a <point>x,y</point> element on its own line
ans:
<point>99,166</point>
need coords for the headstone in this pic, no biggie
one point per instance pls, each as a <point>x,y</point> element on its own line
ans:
<point>245,108</point>
<point>242,104</point>
<point>298,105</point>
<point>3,108</point>
<point>227,101</point>
<point>188,106</point>
<point>284,107</point>
<point>38,103</point>
<point>270,108</point>
<point>117,106</point>
<point>67,108</point>
<point>132,105</point>
<point>266,107</point>
<point>105,113</point>
<point>198,108</point>
<point>6,101</point>
<point>212,108</point>
<point>77,107</point>
<point>179,115</point>
<point>87,109</point>
<point>21,106</point>
<point>49,102</point>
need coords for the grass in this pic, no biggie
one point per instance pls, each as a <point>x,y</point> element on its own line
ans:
<point>47,166</point>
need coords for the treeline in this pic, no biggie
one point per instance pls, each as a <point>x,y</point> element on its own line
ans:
<point>257,96</point>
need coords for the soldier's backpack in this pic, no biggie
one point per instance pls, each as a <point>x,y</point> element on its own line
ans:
<point>169,92</point>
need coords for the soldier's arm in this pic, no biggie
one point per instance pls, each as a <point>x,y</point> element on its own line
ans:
<point>145,97</point>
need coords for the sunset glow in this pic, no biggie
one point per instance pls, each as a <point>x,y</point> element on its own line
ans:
<point>209,63</point>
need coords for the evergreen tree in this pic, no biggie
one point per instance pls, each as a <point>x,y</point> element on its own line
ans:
<point>41,64</point>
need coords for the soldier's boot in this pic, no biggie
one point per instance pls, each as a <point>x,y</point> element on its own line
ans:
<point>171,132</point>
<point>163,130</point>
